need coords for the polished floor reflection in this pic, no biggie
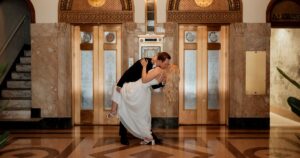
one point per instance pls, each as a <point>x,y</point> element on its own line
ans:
<point>185,142</point>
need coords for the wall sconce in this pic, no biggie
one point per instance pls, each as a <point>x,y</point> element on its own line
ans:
<point>203,3</point>
<point>96,3</point>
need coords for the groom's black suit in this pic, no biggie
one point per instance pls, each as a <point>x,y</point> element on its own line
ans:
<point>132,74</point>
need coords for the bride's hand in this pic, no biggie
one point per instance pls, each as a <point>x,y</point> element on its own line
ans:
<point>144,62</point>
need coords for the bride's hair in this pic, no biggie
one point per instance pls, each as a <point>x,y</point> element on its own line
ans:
<point>170,91</point>
<point>163,56</point>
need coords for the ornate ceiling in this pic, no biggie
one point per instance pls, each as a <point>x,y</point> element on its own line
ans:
<point>179,11</point>
<point>217,11</point>
<point>95,11</point>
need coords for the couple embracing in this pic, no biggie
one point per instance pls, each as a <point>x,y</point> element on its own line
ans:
<point>131,99</point>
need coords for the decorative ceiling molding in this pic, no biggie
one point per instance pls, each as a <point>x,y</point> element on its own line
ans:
<point>204,17</point>
<point>126,4</point>
<point>101,15</point>
<point>232,14</point>
<point>284,13</point>
<point>96,17</point>
<point>66,4</point>
<point>173,4</point>
<point>234,5</point>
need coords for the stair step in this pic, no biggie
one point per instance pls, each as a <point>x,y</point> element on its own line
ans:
<point>11,93</point>
<point>27,53</point>
<point>3,138</point>
<point>15,104</point>
<point>18,84</point>
<point>25,60</point>
<point>21,76</point>
<point>15,114</point>
<point>23,68</point>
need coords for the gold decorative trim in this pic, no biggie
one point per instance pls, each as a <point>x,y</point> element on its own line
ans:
<point>126,4</point>
<point>173,4</point>
<point>66,4</point>
<point>204,17</point>
<point>233,15</point>
<point>234,5</point>
<point>95,17</point>
<point>123,5</point>
<point>66,14</point>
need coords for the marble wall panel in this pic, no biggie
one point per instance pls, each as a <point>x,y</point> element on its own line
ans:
<point>285,54</point>
<point>51,70</point>
<point>51,66</point>
<point>247,37</point>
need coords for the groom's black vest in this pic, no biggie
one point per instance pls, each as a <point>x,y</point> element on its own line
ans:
<point>134,73</point>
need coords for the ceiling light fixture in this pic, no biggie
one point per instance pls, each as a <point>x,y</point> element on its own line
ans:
<point>203,3</point>
<point>96,3</point>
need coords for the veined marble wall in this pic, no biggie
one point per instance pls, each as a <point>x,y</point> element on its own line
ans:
<point>51,69</point>
<point>247,37</point>
<point>285,54</point>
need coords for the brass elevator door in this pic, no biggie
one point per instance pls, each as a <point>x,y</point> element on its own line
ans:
<point>203,63</point>
<point>96,66</point>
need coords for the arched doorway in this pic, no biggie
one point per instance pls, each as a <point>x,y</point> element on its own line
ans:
<point>284,95</point>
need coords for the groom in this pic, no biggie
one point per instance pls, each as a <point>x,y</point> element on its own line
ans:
<point>134,73</point>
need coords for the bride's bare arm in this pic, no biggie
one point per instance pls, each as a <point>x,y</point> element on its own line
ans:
<point>146,77</point>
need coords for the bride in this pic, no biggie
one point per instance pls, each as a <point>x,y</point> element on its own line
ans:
<point>134,102</point>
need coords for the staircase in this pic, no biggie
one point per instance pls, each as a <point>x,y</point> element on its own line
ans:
<point>16,92</point>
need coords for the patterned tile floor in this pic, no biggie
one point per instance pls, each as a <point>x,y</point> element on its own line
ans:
<point>185,142</point>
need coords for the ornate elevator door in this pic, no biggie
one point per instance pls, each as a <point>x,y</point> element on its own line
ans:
<point>203,62</point>
<point>96,66</point>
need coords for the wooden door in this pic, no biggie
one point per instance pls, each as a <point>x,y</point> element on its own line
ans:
<point>96,66</point>
<point>203,62</point>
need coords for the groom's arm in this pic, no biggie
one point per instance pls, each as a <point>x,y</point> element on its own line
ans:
<point>134,72</point>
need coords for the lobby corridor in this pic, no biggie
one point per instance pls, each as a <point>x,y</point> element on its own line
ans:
<point>185,142</point>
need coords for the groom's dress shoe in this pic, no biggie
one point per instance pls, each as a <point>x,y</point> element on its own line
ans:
<point>124,141</point>
<point>158,141</point>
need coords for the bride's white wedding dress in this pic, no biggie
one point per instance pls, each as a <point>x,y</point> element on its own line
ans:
<point>134,111</point>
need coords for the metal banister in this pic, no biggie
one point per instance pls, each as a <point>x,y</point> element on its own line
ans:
<point>12,35</point>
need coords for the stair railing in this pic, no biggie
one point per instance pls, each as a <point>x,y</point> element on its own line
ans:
<point>7,57</point>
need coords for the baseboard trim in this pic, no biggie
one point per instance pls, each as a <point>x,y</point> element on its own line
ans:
<point>38,123</point>
<point>56,123</point>
<point>249,123</point>
<point>284,113</point>
<point>35,112</point>
<point>165,122</point>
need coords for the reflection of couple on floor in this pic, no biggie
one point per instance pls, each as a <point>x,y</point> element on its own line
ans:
<point>132,97</point>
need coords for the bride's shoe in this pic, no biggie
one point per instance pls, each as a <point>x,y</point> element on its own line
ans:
<point>147,142</point>
<point>111,115</point>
